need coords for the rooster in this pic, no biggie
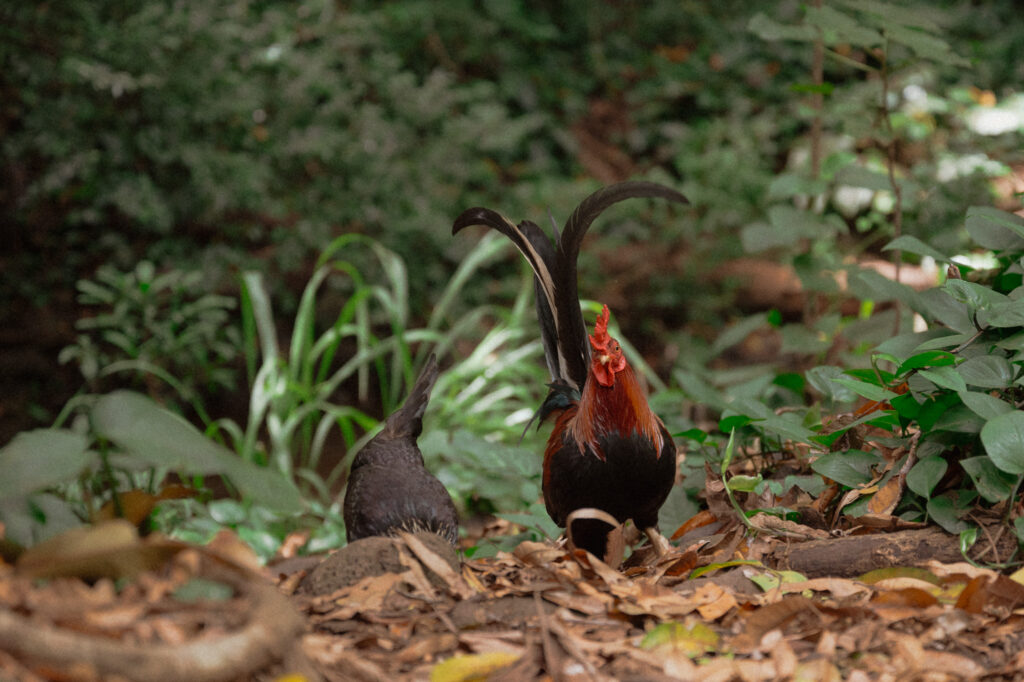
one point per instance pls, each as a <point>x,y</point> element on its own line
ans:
<point>389,488</point>
<point>607,451</point>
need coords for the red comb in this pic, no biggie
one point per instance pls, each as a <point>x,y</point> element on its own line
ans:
<point>599,339</point>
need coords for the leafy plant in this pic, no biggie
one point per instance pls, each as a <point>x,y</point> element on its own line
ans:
<point>160,329</point>
<point>57,478</point>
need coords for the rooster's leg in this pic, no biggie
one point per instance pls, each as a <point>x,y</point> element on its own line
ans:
<point>660,543</point>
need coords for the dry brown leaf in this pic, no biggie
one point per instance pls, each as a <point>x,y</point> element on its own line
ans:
<point>366,595</point>
<point>786,528</point>
<point>713,601</point>
<point>840,588</point>
<point>698,520</point>
<point>588,604</point>
<point>456,585</point>
<point>537,553</point>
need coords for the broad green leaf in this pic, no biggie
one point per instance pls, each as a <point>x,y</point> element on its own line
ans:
<point>1003,438</point>
<point>37,459</point>
<point>941,306</point>
<point>991,483</point>
<point>851,468</point>
<point>736,421</point>
<point>906,406</point>
<point>930,358</point>
<point>945,377</point>
<point>905,345</point>
<point>974,295</point>
<point>146,431</point>
<point>914,245</point>
<point>867,283</point>
<point>944,340</point>
<point>959,419</point>
<point>1002,315</point>
<point>866,390</point>
<point>695,434</point>
<point>926,474</point>
<point>985,405</point>
<point>1014,342</point>
<point>987,371</point>
<point>822,379</point>
<point>994,229</point>
<point>942,511</point>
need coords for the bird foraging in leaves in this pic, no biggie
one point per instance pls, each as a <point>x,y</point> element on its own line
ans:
<point>389,488</point>
<point>607,451</point>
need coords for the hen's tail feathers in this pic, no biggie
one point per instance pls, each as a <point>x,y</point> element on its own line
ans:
<point>408,419</point>
<point>554,266</point>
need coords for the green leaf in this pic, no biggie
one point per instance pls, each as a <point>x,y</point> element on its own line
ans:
<point>945,377</point>
<point>930,358</point>
<point>37,459</point>
<point>939,305</point>
<point>959,419</point>
<point>985,405</point>
<point>868,283</point>
<point>1002,315</point>
<point>906,406</point>
<point>914,245</point>
<point>926,474</point>
<point>823,379</point>
<point>973,295</point>
<point>851,468</point>
<point>987,371</point>
<point>869,391</point>
<point>737,332</point>
<point>743,483</point>
<point>924,45</point>
<point>942,511</point>
<point>994,229</point>
<point>991,483</point>
<point>695,434</point>
<point>842,28</point>
<point>736,421</point>
<point>1003,438</point>
<point>148,432</point>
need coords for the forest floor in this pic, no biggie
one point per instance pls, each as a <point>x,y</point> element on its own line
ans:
<point>776,600</point>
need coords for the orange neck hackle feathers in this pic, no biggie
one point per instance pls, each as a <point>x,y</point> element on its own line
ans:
<point>612,399</point>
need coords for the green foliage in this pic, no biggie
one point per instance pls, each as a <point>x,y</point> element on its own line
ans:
<point>150,325</point>
<point>238,137</point>
<point>56,478</point>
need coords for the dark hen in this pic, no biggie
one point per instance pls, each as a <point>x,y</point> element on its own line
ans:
<point>389,488</point>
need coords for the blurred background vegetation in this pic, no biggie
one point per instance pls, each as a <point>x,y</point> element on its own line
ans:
<point>152,153</point>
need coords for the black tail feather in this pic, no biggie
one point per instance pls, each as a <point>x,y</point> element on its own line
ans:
<point>408,419</point>
<point>558,309</point>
